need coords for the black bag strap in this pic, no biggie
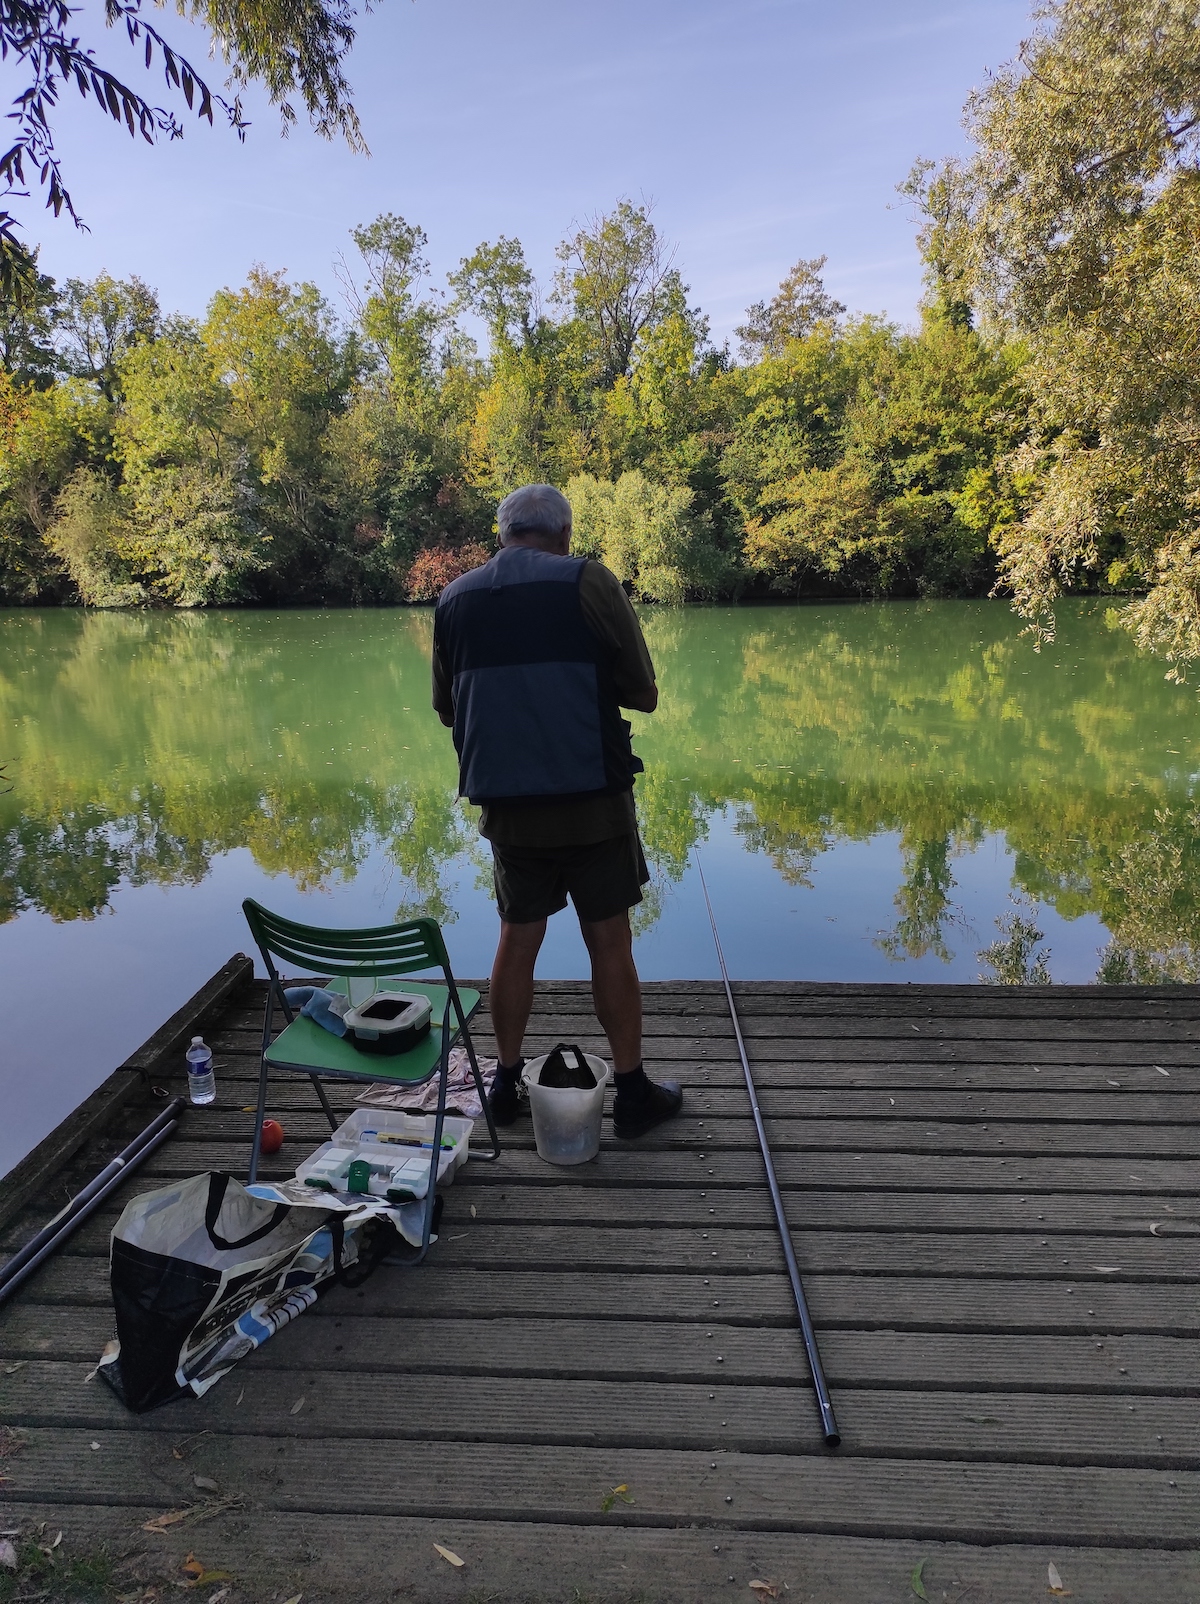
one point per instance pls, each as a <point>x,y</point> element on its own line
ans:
<point>218,1185</point>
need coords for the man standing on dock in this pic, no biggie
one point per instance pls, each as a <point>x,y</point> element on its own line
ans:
<point>534,655</point>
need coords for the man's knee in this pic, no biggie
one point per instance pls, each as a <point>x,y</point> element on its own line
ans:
<point>605,937</point>
<point>517,939</point>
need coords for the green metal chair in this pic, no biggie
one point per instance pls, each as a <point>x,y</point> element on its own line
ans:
<point>305,1048</point>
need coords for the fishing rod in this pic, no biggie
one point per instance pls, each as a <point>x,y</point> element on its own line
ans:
<point>824,1403</point>
<point>84,1204</point>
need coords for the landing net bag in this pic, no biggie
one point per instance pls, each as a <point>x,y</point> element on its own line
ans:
<point>203,1272</point>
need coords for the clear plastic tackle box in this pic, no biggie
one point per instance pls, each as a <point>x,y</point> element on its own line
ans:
<point>385,1153</point>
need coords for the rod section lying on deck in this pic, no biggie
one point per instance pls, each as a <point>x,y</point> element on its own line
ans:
<point>64,1224</point>
<point>821,1386</point>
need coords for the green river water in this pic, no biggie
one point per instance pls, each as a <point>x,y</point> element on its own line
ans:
<point>870,787</point>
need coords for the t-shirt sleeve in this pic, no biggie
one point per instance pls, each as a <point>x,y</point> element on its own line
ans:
<point>609,614</point>
<point>443,694</point>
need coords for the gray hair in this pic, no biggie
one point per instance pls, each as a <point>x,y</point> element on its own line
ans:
<point>533,510</point>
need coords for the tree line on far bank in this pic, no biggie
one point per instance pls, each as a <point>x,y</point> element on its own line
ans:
<point>273,452</point>
<point>1035,434</point>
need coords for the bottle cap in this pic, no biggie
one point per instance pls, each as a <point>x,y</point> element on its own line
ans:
<point>197,1041</point>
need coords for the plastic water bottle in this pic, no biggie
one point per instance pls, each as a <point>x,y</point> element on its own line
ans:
<point>202,1083</point>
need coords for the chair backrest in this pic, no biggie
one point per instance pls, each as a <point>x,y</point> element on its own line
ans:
<point>386,950</point>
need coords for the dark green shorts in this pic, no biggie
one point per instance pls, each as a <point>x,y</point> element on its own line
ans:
<point>602,880</point>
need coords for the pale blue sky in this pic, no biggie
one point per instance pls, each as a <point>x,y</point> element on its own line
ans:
<point>763,130</point>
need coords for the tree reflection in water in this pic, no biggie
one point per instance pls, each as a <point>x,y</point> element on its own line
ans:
<point>143,746</point>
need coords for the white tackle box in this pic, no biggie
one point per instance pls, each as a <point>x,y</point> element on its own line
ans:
<point>396,1148</point>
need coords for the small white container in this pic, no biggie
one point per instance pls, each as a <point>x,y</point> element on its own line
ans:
<point>566,1121</point>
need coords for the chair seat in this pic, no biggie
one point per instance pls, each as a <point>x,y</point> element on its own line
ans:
<point>307,1048</point>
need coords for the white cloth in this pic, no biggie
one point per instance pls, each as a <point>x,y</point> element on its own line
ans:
<point>461,1095</point>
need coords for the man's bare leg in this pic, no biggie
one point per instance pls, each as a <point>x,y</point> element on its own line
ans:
<point>640,1103</point>
<point>510,994</point>
<point>616,990</point>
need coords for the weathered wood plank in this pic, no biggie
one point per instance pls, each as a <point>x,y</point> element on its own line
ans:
<point>807,1491</point>
<point>936,1303</point>
<point>901,1049</point>
<point>713,1021</point>
<point>730,1250</point>
<point>647,1164</point>
<point>1040,1214</point>
<point>893,1134</point>
<point>509,1561</point>
<point>335,1338</point>
<point>748,1418</point>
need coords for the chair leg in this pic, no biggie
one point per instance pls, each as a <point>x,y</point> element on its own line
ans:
<point>260,1115</point>
<point>483,1098</point>
<point>454,1001</point>
<point>334,1122</point>
<point>411,1263</point>
<point>268,1017</point>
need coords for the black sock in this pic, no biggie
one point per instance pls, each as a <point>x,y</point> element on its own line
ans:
<point>510,1072</point>
<point>632,1085</point>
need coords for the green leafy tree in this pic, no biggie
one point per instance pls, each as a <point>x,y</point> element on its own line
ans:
<point>1076,225</point>
<point>617,279</point>
<point>801,303</point>
<point>27,328</point>
<point>45,437</point>
<point>99,323</point>
<point>647,534</point>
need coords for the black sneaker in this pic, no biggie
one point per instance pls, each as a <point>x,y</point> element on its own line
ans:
<point>506,1099</point>
<point>635,1116</point>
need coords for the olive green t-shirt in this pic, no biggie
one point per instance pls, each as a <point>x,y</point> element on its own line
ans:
<point>609,614</point>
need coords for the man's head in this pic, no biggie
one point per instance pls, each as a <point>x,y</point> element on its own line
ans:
<point>536,515</point>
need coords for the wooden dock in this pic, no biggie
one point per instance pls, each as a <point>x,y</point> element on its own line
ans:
<point>995,1200</point>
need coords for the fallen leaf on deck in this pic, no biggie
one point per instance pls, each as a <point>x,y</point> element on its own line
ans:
<point>1056,1582</point>
<point>299,1403</point>
<point>182,1449</point>
<point>192,1566</point>
<point>1107,1269</point>
<point>96,1446</point>
<point>161,1522</point>
<point>765,1589</point>
<point>611,1496</point>
<point>448,1554</point>
<point>295,1599</point>
<point>11,1370</point>
<point>56,1541</point>
<point>474,1210</point>
<point>8,1555</point>
<point>240,1396</point>
<point>1154,1229</point>
<point>1114,1083</point>
<point>915,1582</point>
<point>207,1483</point>
<point>207,1578</point>
<point>1163,1071</point>
<point>892,1101</point>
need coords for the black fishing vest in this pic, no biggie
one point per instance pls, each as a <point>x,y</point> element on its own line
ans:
<point>536,716</point>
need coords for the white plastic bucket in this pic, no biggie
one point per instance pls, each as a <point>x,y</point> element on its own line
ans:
<point>566,1122</point>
